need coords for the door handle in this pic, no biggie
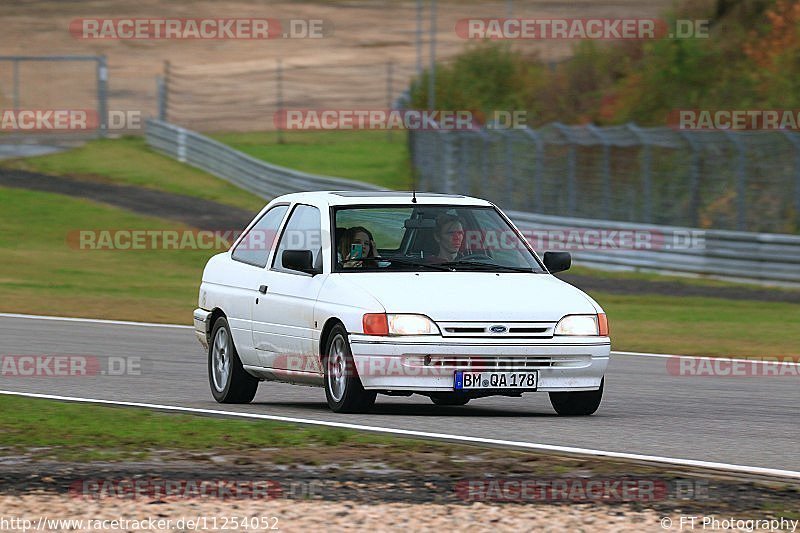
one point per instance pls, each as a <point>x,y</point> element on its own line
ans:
<point>263,289</point>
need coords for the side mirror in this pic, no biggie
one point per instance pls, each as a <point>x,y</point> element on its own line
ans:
<point>300,260</point>
<point>557,261</point>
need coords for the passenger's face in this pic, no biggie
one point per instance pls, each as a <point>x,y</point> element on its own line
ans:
<point>362,239</point>
<point>451,237</point>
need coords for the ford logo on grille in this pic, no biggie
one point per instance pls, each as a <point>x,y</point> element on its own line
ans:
<point>498,329</point>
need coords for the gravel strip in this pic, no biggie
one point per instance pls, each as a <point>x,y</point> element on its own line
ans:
<point>289,515</point>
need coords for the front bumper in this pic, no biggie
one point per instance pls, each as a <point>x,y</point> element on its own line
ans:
<point>429,365</point>
<point>202,326</point>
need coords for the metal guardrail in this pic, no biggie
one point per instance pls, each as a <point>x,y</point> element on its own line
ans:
<point>736,255</point>
<point>741,256</point>
<point>257,176</point>
<point>741,181</point>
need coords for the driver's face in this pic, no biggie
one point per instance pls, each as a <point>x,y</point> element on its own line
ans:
<point>451,237</point>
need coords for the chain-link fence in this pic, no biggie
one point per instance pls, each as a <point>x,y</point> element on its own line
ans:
<point>248,96</point>
<point>41,85</point>
<point>747,181</point>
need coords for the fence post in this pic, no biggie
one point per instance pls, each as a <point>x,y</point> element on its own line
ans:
<point>741,181</point>
<point>15,83</point>
<point>161,95</point>
<point>647,179</point>
<point>102,94</point>
<point>412,156</point>
<point>167,80</point>
<point>606,170</point>
<point>448,161</point>
<point>538,168</point>
<point>694,179</point>
<point>432,73</point>
<point>509,168</point>
<point>389,103</point>
<point>572,182</point>
<point>419,37</point>
<point>181,149</point>
<point>463,138</point>
<point>279,94</point>
<point>485,149</point>
<point>794,139</point>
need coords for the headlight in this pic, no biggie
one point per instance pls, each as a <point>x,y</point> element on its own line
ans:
<point>383,324</point>
<point>412,325</point>
<point>579,325</point>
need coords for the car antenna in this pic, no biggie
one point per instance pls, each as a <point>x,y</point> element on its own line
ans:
<point>413,196</point>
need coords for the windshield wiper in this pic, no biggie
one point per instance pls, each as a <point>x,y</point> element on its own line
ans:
<point>432,266</point>
<point>456,264</point>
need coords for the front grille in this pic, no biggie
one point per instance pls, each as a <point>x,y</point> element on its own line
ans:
<point>497,330</point>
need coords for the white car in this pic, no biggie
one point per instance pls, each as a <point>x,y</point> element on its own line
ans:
<point>397,293</point>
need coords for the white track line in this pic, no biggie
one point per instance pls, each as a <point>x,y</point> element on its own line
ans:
<point>94,321</point>
<point>764,360</point>
<point>754,470</point>
<point>181,326</point>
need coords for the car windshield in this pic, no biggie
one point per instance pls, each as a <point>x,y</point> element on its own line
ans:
<point>428,238</point>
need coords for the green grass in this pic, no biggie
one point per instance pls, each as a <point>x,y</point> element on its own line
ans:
<point>43,272</point>
<point>688,279</point>
<point>702,326</point>
<point>130,161</point>
<point>360,155</point>
<point>81,432</point>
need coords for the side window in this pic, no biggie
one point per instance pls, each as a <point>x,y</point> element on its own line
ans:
<point>302,232</point>
<point>255,246</point>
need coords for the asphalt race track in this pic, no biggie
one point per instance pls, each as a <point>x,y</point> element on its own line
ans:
<point>750,421</point>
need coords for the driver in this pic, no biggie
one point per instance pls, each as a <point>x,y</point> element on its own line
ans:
<point>449,235</point>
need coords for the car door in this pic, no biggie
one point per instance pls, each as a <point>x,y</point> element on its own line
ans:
<point>250,257</point>
<point>283,320</point>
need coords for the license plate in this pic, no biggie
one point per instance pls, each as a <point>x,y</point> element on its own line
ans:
<point>465,380</point>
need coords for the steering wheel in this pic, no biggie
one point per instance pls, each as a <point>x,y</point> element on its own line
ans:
<point>475,257</point>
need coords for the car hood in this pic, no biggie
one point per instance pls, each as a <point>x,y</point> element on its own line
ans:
<point>474,296</point>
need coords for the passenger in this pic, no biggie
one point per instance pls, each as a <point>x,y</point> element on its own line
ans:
<point>449,235</point>
<point>358,235</point>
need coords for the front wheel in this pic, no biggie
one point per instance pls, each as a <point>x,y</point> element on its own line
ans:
<point>343,387</point>
<point>229,381</point>
<point>583,403</point>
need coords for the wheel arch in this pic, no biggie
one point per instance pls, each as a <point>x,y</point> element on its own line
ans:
<point>326,332</point>
<point>216,313</point>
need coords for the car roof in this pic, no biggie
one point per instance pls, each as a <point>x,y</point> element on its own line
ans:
<point>333,198</point>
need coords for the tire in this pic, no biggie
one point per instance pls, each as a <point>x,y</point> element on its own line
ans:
<point>343,387</point>
<point>449,398</point>
<point>229,381</point>
<point>583,403</point>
